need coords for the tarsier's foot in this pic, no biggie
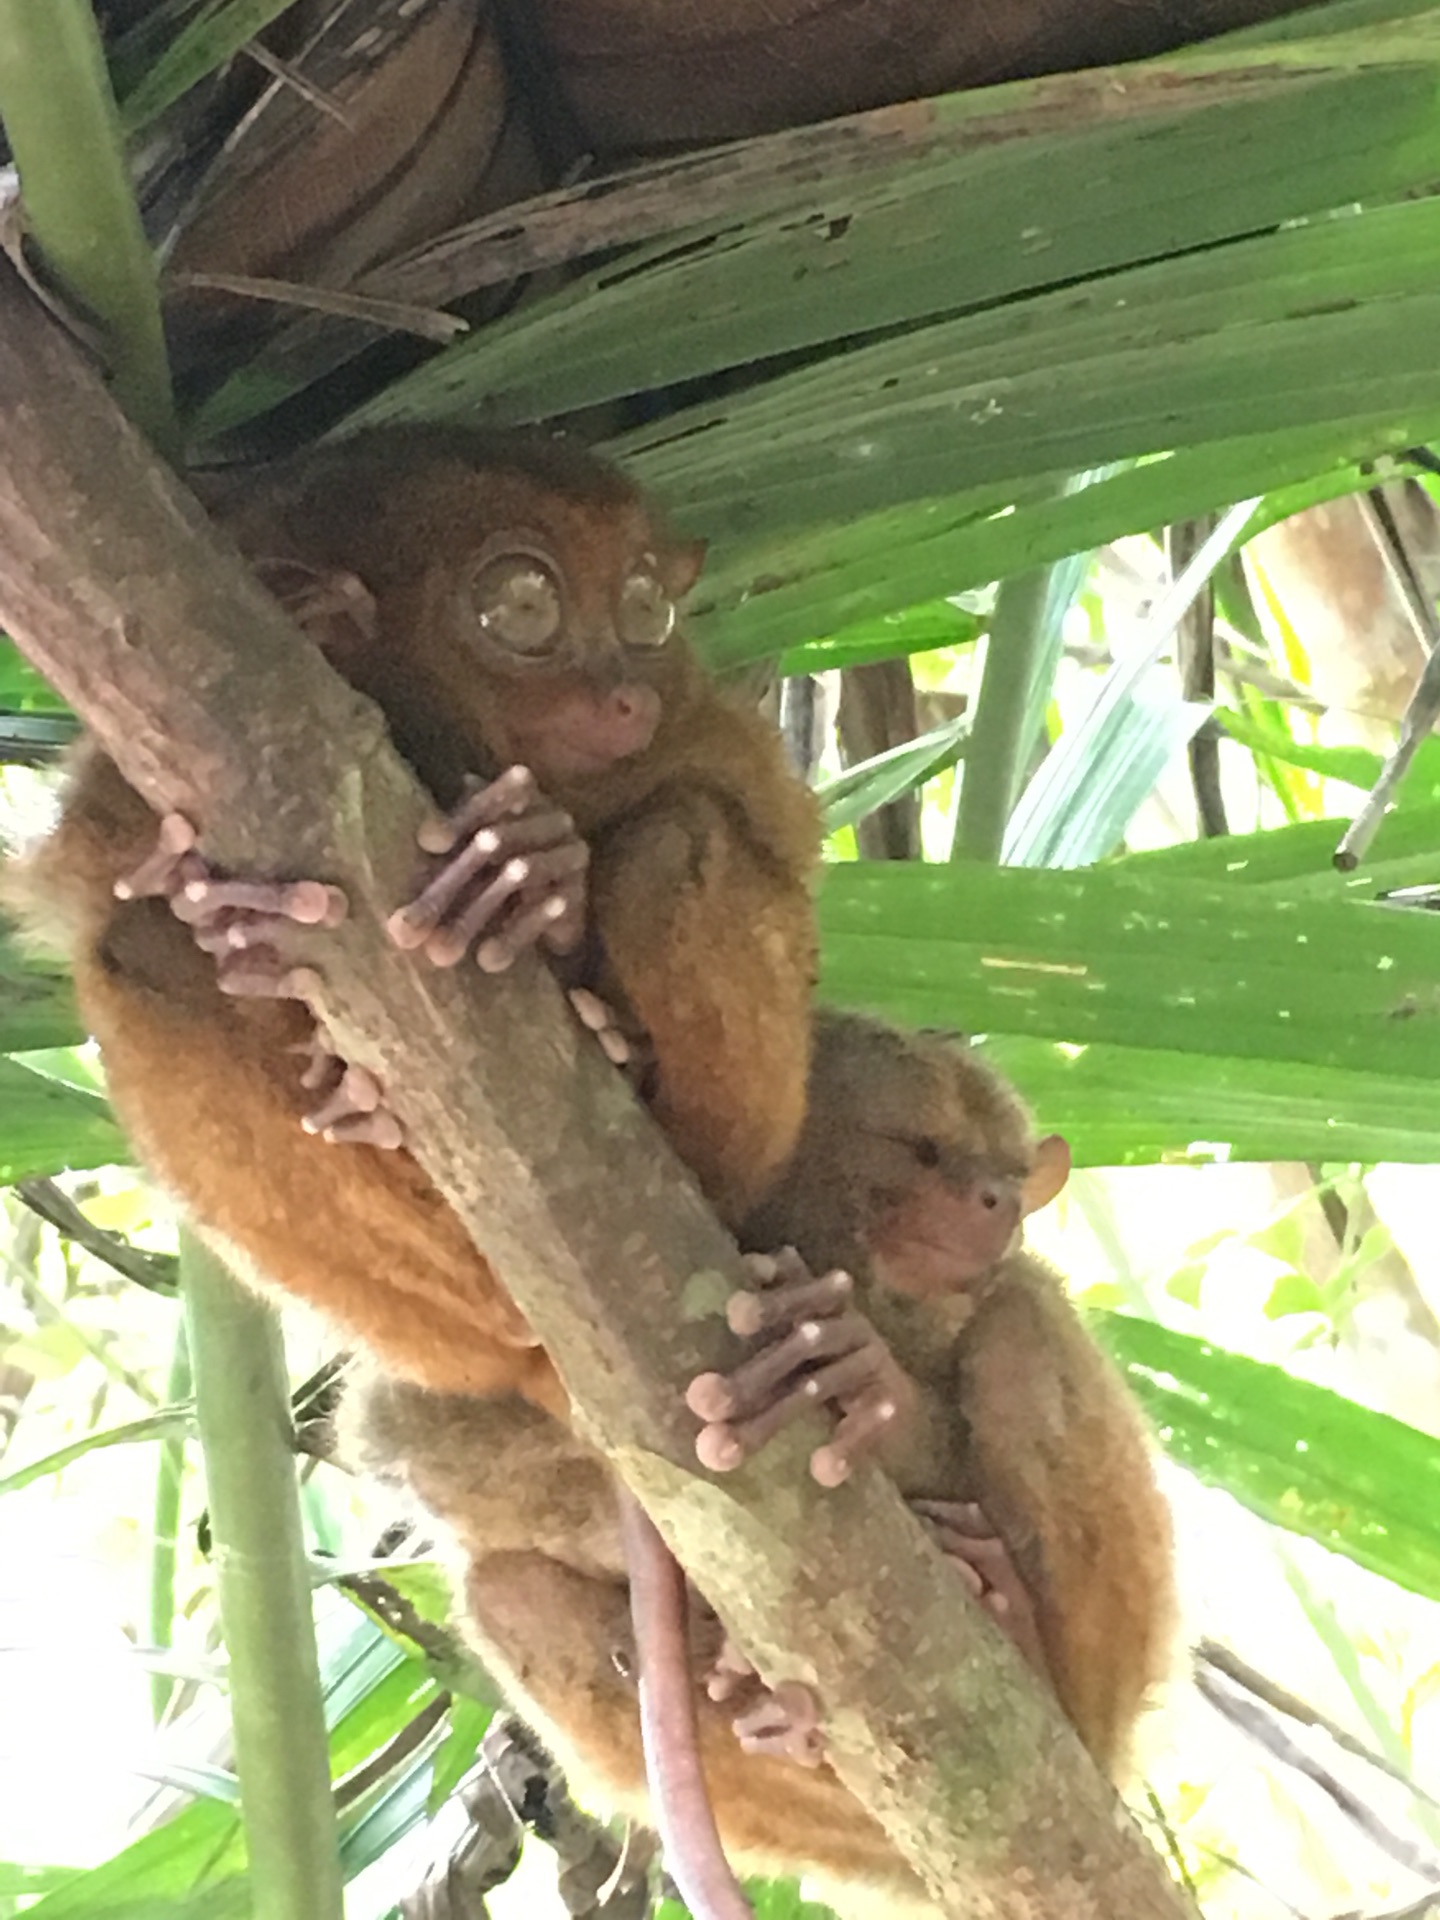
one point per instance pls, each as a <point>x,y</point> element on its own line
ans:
<point>353,1111</point>
<point>816,1350</point>
<point>515,874</point>
<point>783,1721</point>
<point>981,1558</point>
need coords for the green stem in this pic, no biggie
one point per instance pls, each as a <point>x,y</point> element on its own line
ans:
<point>1005,714</point>
<point>243,1412</point>
<point>64,133</point>
<point>169,1480</point>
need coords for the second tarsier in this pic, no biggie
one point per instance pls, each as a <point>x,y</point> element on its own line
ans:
<point>938,1345</point>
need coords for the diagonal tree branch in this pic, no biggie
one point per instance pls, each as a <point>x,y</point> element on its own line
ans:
<point>114,585</point>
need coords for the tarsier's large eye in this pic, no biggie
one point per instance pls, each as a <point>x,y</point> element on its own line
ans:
<point>647,613</point>
<point>517,600</point>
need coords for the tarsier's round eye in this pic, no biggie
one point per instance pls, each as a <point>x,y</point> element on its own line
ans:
<point>517,599</point>
<point>647,613</point>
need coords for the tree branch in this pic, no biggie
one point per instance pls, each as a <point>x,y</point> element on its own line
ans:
<point>114,585</point>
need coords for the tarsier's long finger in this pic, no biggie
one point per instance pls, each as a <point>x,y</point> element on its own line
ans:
<point>749,1389</point>
<point>864,1422</point>
<point>784,1722</point>
<point>786,1302</point>
<point>260,974</point>
<point>380,1129</point>
<point>502,950</point>
<point>723,1445</point>
<point>164,870</point>
<point>593,1014</point>
<point>448,945</point>
<point>358,1091</point>
<point>513,792</point>
<point>964,1535</point>
<point>412,925</point>
<point>783,1268</point>
<point>731,1672</point>
<point>537,832</point>
<point>308,903</point>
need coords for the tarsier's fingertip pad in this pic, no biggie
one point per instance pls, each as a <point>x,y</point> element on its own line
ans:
<point>761,1268</point>
<point>717,1448</point>
<point>744,1315</point>
<point>314,904</point>
<point>435,836</point>
<point>493,956</point>
<point>829,1467</point>
<point>405,930</point>
<point>708,1396</point>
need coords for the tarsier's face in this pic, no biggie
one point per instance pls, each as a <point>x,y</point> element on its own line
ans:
<point>571,614</point>
<point>950,1169</point>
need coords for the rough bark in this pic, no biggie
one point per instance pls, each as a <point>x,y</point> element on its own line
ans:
<point>114,585</point>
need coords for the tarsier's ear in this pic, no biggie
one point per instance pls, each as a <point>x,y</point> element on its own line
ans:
<point>1048,1175</point>
<point>335,607</point>
<point>683,564</point>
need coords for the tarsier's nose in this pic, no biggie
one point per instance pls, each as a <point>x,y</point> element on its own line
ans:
<point>631,713</point>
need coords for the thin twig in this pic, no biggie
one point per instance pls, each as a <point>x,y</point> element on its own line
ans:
<point>411,1737</point>
<point>1256,1721</point>
<point>287,72</point>
<point>1404,577</point>
<point>1195,656</point>
<point>1225,1661</point>
<point>1416,725</point>
<point>157,1271</point>
<point>391,316</point>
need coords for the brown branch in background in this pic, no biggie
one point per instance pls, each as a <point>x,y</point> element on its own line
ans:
<point>516,1786</point>
<point>50,1203</point>
<point>877,712</point>
<point>1195,656</point>
<point>1259,1725</point>
<point>114,585</point>
<point>1225,1660</point>
<point>802,711</point>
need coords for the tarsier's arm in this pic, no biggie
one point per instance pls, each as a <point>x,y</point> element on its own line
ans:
<point>708,939</point>
<point>211,1090</point>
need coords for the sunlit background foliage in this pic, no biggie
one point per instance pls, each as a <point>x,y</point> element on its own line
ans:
<point>908,388</point>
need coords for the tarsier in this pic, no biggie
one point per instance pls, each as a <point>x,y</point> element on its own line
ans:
<point>954,1357</point>
<point>510,604</point>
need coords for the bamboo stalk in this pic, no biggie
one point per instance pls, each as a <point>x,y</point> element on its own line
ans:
<point>64,133</point>
<point>169,1481</point>
<point>242,1407</point>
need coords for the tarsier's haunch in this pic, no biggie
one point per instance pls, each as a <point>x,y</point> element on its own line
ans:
<point>510,604</point>
<point>955,1357</point>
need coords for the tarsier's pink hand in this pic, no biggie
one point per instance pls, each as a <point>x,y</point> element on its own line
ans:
<point>816,1349</point>
<point>242,925</point>
<point>981,1558</point>
<point>514,873</point>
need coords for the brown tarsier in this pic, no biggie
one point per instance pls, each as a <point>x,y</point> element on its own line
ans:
<point>953,1356</point>
<point>510,604</point>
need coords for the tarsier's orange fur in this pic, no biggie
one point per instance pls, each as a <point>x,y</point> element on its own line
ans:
<point>701,852</point>
<point>1018,1410</point>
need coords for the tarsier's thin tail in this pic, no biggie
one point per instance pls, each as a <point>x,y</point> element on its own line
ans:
<point>668,1725</point>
